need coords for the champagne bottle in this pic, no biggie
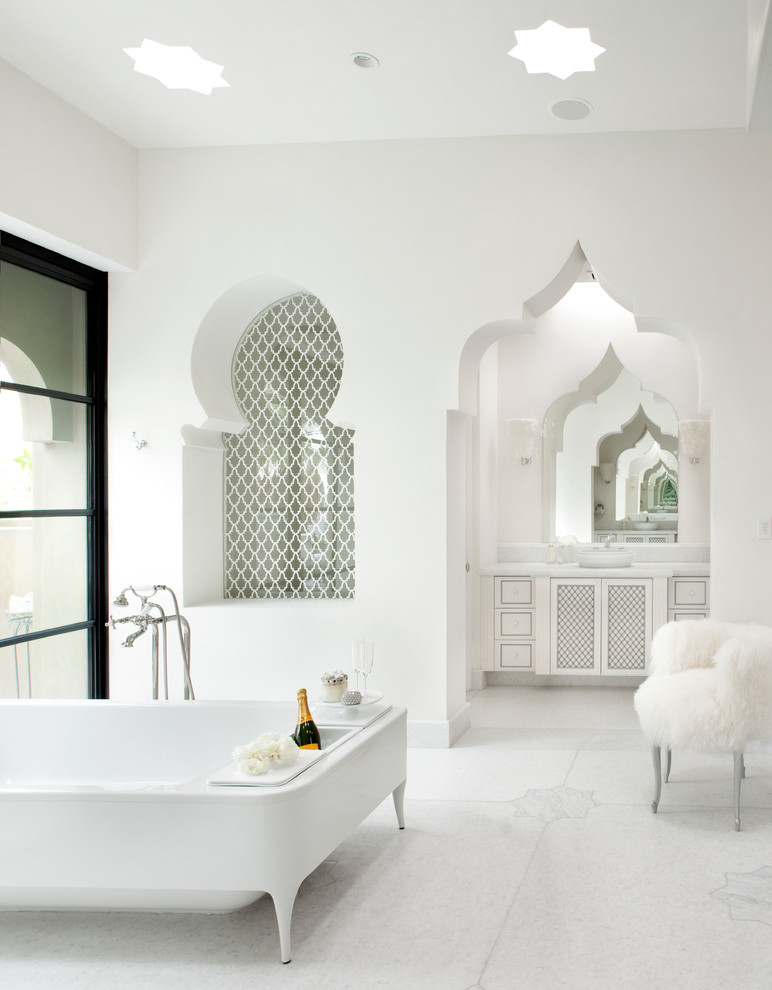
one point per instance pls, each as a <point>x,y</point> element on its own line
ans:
<point>306,734</point>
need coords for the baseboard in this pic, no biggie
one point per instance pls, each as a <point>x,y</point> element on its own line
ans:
<point>502,678</point>
<point>440,734</point>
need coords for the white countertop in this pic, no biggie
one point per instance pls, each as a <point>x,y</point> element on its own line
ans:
<point>674,568</point>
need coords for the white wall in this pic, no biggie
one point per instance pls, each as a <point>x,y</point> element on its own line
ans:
<point>65,182</point>
<point>412,246</point>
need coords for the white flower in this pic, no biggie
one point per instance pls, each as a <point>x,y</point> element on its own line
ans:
<point>287,749</point>
<point>566,541</point>
<point>254,765</point>
<point>269,748</point>
<point>267,744</point>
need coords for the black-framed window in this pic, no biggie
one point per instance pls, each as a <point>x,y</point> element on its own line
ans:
<point>53,474</point>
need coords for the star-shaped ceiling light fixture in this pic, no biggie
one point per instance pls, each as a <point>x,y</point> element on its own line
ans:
<point>177,67</point>
<point>557,50</point>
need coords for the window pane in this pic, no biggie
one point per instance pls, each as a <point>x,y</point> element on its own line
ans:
<point>42,452</point>
<point>46,668</point>
<point>42,572</point>
<point>42,330</point>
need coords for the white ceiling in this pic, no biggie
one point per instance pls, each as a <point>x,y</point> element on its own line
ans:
<point>668,65</point>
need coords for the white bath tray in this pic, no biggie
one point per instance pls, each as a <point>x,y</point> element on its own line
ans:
<point>353,716</point>
<point>230,776</point>
<point>332,736</point>
<point>368,698</point>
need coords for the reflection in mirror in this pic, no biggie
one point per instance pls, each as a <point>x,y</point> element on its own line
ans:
<point>647,480</point>
<point>596,380</point>
<point>659,490</point>
<point>646,464</point>
<point>628,430</point>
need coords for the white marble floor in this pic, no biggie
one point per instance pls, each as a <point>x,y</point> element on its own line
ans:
<point>531,859</point>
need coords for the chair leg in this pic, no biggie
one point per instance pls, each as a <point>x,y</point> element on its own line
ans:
<point>668,763</point>
<point>656,757</point>
<point>739,773</point>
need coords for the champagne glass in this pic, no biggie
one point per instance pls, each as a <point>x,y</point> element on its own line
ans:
<point>357,656</point>
<point>365,667</point>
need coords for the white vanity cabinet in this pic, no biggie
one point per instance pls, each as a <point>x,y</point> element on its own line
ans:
<point>557,620</point>
<point>688,598</point>
<point>603,626</point>
<point>514,623</point>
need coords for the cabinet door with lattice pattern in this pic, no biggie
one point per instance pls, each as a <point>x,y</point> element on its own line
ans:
<point>575,641</point>
<point>627,625</point>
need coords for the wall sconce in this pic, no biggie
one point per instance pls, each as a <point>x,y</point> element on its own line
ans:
<point>525,435</point>
<point>606,472</point>
<point>694,437</point>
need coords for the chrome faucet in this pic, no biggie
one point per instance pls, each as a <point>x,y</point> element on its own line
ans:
<point>138,620</point>
<point>129,641</point>
<point>145,620</point>
<point>607,542</point>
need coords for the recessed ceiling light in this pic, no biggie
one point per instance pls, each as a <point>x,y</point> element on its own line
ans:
<point>574,109</point>
<point>177,67</point>
<point>365,60</point>
<point>555,49</point>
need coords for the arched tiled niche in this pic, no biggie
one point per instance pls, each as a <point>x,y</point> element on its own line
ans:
<point>267,479</point>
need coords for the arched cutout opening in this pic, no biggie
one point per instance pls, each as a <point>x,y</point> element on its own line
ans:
<point>35,410</point>
<point>514,373</point>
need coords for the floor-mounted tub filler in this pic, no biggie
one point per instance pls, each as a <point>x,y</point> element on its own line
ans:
<point>108,805</point>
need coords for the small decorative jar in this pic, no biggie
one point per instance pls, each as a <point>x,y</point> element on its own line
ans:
<point>334,685</point>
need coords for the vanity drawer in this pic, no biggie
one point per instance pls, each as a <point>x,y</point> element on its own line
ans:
<point>688,592</point>
<point>688,615</point>
<point>513,624</point>
<point>513,591</point>
<point>514,656</point>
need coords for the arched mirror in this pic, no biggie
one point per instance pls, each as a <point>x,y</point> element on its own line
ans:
<point>598,425</point>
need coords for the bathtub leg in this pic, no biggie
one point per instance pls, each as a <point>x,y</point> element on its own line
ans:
<point>398,794</point>
<point>283,904</point>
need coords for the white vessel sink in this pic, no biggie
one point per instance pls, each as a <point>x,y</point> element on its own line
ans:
<point>604,557</point>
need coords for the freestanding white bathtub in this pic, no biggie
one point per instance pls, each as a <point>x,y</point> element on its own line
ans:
<point>105,805</point>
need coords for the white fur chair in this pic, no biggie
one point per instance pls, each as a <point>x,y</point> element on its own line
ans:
<point>710,688</point>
